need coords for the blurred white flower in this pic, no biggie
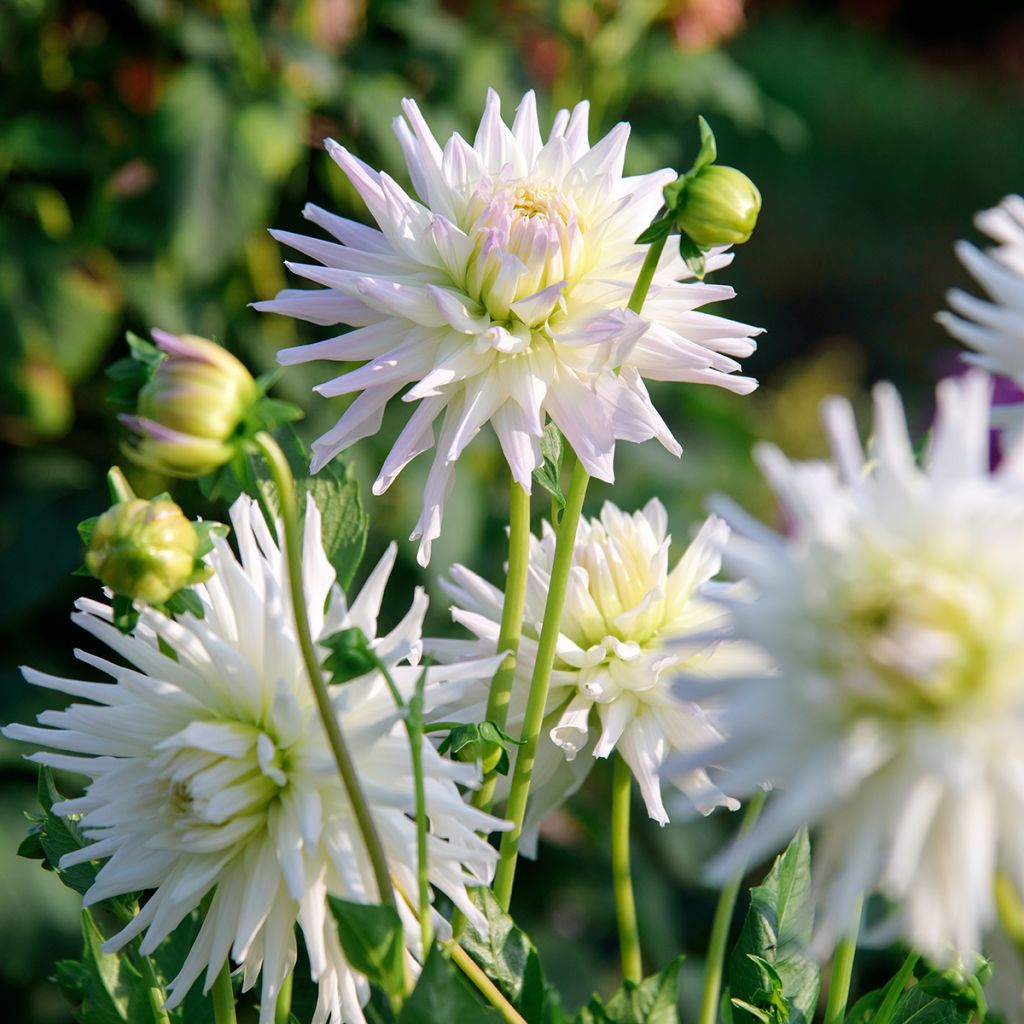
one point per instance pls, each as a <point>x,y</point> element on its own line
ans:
<point>500,297</point>
<point>894,723</point>
<point>629,625</point>
<point>210,772</point>
<point>995,330</point>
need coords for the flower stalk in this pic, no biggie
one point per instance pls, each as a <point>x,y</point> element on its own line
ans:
<point>842,970</point>
<point>223,996</point>
<point>622,879</point>
<point>283,1009</point>
<point>281,474</point>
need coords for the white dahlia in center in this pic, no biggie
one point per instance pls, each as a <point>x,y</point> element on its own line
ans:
<point>499,296</point>
<point>631,622</point>
<point>210,774</point>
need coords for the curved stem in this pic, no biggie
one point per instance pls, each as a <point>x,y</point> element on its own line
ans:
<point>223,996</point>
<point>283,1009</point>
<point>842,968</point>
<point>622,880</point>
<point>511,623</point>
<point>715,962</point>
<point>486,987</point>
<point>281,474</point>
<point>539,685</point>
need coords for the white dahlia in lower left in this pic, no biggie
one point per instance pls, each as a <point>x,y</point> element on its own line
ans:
<point>210,775</point>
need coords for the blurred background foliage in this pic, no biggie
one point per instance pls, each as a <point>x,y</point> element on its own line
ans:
<point>146,146</point>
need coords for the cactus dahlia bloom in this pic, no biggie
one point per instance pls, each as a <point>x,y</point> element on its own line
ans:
<point>995,330</point>
<point>210,774</point>
<point>894,611</point>
<point>499,296</point>
<point>631,622</point>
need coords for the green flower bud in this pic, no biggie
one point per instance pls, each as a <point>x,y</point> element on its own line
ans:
<point>351,655</point>
<point>480,743</point>
<point>718,206</point>
<point>144,550</point>
<point>190,410</point>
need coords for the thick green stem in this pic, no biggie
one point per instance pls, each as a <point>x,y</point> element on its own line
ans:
<point>486,987</point>
<point>539,685</point>
<point>646,276</point>
<point>283,1008</point>
<point>511,623</point>
<point>281,474</point>
<point>223,996</point>
<point>842,969</point>
<point>415,729</point>
<point>155,991</point>
<point>715,963</point>
<point>622,879</point>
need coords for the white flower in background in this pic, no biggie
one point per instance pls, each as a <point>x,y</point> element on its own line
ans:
<point>894,724</point>
<point>630,624</point>
<point>995,330</point>
<point>210,772</point>
<point>500,297</point>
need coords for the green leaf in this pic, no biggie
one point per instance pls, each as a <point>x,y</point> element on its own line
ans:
<point>371,936</point>
<point>655,1000</point>
<point>483,741</point>
<point>656,231</point>
<point>103,988</point>
<point>549,476</point>
<point>58,836</point>
<point>271,413</point>
<point>920,1006</point>
<point>776,934</point>
<point>335,490</point>
<point>692,255</point>
<point>443,994</point>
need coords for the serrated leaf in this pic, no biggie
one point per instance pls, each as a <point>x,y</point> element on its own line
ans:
<point>777,932</point>
<point>58,836</point>
<point>371,936</point>
<point>655,1000</point>
<point>549,475</point>
<point>335,490</point>
<point>443,994</point>
<point>503,951</point>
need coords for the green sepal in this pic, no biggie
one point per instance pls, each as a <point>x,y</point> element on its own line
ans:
<point>82,571</point>
<point>351,655</point>
<point>271,413</point>
<point>126,617</point>
<point>371,937</point>
<point>658,230</point>
<point>119,488</point>
<point>549,475</point>
<point>708,152</point>
<point>185,600</point>
<point>206,530</point>
<point>131,373</point>
<point>693,256</point>
<point>85,530</point>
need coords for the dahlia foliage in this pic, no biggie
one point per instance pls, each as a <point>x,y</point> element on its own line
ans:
<point>281,810</point>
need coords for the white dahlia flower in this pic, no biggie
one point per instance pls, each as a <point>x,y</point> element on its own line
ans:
<point>894,722</point>
<point>630,623</point>
<point>500,296</point>
<point>995,330</point>
<point>210,773</point>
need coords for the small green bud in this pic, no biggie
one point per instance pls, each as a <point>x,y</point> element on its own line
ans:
<point>480,743</point>
<point>718,206</point>
<point>190,410</point>
<point>351,655</point>
<point>144,550</point>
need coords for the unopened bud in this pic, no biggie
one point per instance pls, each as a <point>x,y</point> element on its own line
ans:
<point>718,206</point>
<point>480,743</point>
<point>190,410</point>
<point>144,550</point>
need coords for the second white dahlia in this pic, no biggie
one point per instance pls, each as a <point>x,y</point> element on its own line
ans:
<point>499,296</point>
<point>210,774</point>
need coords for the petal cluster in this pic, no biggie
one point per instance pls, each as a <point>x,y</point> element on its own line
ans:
<point>499,295</point>
<point>894,613</point>
<point>994,329</point>
<point>631,622</point>
<point>210,775</point>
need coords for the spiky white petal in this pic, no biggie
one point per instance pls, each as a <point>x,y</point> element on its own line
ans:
<point>499,296</point>
<point>630,623</point>
<point>210,774</point>
<point>894,723</point>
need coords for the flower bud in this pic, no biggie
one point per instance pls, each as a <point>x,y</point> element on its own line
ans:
<point>351,655</point>
<point>144,550</point>
<point>190,410</point>
<point>718,206</point>
<point>479,742</point>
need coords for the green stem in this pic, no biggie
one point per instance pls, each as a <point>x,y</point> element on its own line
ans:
<point>486,987</point>
<point>511,624</point>
<point>283,1009</point>
<point>223,996</point>
<point>842,969</point>
<point>281,474</point>
<point>894,990</point>
<point>539,685</point>
<point>414,723</point>
<point>715,963</point>
<point>154,990</point>
<point>646,276</point>
<point>622,880</point>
